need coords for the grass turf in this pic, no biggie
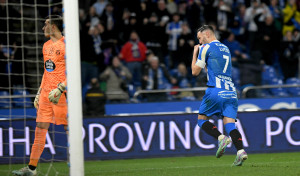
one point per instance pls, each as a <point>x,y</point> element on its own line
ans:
<point>273,164</point>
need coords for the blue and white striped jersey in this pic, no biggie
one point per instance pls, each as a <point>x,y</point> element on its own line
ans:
<point>216,57</point>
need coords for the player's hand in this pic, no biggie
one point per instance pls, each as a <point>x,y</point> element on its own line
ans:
<point>37,98</point>
<point>196,49</point>
<point>55,94</point>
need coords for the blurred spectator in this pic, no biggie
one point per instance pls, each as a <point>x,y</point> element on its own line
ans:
<point>290,16</point>
<point>109,20</point>
<point>162,12</point>
<point>251,69</point>
<point>8,20</point>
<point>82,17</point>
<point>100,6</point>
<point>201,81</point>
<point>109,50</point>
<point>95,100</point>
<point>57,7</point>
<point>296,37</point>
<point>193,15</point>
<point>153,41</point>
<point>117,77</point>
<point>91,53</point>
<point>128,27</point>
<point>238,25</point>
<point>174,29</point>
<point>183,81</point>
<point>156,77</point>
<point>146,63</point>
<point>267,39</point>
<point>209,11</point>
<point>289,56</point>
<point>4,83</point>
<point>251,72</point>
<point>134,53</point>
<point>163,17</point>
<point>182,4</point>
<point>91,20</point>
<point>125,22</point>
<point>255,10</point>
<point>219,34</point>
<point>182,76</point>
<point>224,15</point>
<point>235,48</point>
<point>276,14</point>
<point>144,13</point>
<point>19,68</point>
<point>186,44</point>
<point>172,6</point>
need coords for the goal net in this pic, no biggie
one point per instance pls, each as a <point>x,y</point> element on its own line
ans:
<point>21,70</point>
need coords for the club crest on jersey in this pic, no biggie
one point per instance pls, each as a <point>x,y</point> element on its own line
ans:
<point>57,52</point>
<point>49,65</point>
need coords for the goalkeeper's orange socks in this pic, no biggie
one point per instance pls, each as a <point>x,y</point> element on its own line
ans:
<point>37,147</point>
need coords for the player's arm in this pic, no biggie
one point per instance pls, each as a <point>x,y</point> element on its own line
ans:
<point>37,97</point>
<point>198,62</point>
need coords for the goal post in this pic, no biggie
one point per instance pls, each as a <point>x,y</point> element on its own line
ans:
<point>71,22</point>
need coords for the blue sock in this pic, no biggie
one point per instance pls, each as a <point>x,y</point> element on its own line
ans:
<point>229,127</point>
<point>200,122</point>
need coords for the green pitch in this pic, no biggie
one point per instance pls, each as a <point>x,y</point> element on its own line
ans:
<point>274,164</point>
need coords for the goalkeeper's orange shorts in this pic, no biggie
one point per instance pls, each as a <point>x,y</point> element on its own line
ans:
<point>49,112</point>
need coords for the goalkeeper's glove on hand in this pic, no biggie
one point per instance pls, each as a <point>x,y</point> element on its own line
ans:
<point>37,98</point>
<point>55,94</point>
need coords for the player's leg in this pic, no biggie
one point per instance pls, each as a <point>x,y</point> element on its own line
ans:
<point>39,143</point>
<point>207,126</point>
<point>210,106</point>
<point>60,118</point>
<point>230,113</point>
<point>213,131</point>
<point>44,118</point>
<point>36,150</point>
<point>236,137</point>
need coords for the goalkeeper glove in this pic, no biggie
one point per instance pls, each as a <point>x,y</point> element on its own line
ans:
<point>37,98</point>
<point>55,94</point>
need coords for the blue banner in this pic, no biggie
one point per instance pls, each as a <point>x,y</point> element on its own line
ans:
<point>154,136</point>
<point>193,106</point>
<point>170,107</point>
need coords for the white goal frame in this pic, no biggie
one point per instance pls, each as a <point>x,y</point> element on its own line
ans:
<point>71,22</point>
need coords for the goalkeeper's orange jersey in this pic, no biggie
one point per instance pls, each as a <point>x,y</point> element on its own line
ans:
<point>54,64</point>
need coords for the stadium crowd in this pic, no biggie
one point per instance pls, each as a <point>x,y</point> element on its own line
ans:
<point>155,39</point>
<point>148,44</point>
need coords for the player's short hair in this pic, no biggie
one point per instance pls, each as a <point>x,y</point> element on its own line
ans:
<point>56,20</point>
<point>206,27</point>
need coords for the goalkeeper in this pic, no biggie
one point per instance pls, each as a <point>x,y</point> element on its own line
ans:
<point>50,100</point>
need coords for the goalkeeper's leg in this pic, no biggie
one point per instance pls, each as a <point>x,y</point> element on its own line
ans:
<point>36,150</point>
<point>44,118</point>
<point>39,143</point>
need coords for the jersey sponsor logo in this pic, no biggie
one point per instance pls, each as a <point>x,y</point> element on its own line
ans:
<point>49,65</point>
<point>224,77</point>
<point>51,51</point>
<point>227,94</point>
